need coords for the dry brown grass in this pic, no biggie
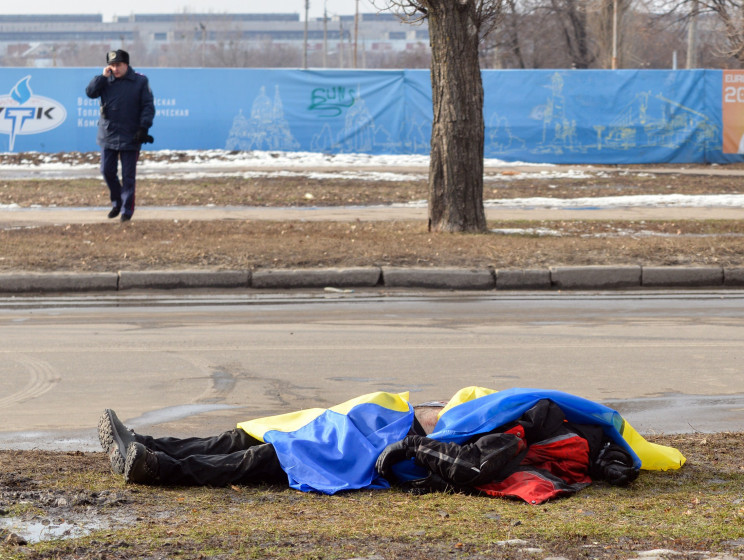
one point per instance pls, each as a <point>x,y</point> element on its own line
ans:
<point>262,244</point>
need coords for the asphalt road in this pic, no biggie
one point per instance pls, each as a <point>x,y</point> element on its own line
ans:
<point>189,364</point>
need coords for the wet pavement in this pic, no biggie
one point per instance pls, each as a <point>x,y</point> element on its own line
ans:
<point>186,364</point>
<point>672,414</point>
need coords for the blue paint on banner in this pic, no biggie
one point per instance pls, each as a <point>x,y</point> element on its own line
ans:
<point>550,116</point>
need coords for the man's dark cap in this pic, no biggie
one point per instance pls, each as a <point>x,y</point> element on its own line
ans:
<point>117,56</point>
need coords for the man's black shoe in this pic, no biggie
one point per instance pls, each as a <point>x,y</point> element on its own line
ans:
<point>115,437</point>
<point>141,466</point>
<point>125,217</point>
<point>114,212</point>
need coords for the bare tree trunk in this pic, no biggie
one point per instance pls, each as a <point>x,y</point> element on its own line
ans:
<point>512,32</point>
<point>456,164</point>
<point>572,19</point>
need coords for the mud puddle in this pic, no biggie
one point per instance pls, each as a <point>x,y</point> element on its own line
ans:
<point>52,515</point>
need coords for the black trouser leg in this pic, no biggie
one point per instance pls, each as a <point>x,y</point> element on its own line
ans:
<point>254,465</point>
<point>223,444</point>
<point>110,172</point>
<point>128,180</point>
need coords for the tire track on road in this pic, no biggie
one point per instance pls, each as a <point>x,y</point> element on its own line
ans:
<point>42,378</point>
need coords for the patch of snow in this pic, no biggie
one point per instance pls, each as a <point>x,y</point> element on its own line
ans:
<point>632,201</point>
<point>188,164</point>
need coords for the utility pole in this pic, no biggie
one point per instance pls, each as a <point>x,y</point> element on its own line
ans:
<point>204,43</point>
<point>356,32</point>
<point>340,43</point>
<point>325,34</point>
<point>304,50</point>
<point>614,34</point>
<point>692,36</point>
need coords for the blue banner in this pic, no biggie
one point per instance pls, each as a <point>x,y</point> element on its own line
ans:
<point>541,116</point>
<point>626,116</point>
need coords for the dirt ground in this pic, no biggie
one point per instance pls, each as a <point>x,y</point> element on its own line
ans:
<point>245,244</point>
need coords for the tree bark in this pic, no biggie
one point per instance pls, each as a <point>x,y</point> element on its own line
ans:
<point>572,18</point>
<point>457,136</point>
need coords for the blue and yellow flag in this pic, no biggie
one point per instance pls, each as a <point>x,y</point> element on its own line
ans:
<point>475,410</point>
<point>335,449</point>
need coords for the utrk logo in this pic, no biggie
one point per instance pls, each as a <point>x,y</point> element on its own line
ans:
<point>22,112</point>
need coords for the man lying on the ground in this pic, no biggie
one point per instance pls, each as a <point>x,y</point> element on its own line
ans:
<point>524,443</point>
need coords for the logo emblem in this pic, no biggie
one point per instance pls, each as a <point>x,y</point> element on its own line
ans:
<point>22,112</point>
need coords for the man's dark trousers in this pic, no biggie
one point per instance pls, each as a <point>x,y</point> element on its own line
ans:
<point>122,192</point>
<point>232,457</point>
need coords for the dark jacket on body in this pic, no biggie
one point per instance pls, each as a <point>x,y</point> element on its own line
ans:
<point>538,457</point>
<point>126,106</point>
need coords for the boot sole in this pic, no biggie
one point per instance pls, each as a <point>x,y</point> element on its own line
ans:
<point>110,442</point>
<point>134,472</point>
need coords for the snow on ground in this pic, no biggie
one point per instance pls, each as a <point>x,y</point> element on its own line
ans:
<point>613,232</point>
<point>607,202</point>
<point>184,164</point>
<point>174,164</point>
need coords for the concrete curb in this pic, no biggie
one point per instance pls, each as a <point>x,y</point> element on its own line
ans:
<point>595,277</point>
<point>58,282</point>
<point>438,278</point>
<point>733,276</point>
<point>358,277</point>
<point>529,279</point>
<point>679,276</point>
<point>559,277</point>
<point>168,280</point>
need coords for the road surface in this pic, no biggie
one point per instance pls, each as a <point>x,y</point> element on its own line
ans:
<point>187,364</point>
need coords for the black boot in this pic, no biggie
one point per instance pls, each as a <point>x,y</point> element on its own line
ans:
<point>115,437</point>
<point>141,466</point>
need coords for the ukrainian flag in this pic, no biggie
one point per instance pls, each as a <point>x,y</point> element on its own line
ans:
<point>475,410</point>
<point>335,449</point>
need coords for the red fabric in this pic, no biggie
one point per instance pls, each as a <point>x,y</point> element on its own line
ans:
<point>516,431</point>
<point>519,432</point>
<point>551,468</point>
<point>567,458</point>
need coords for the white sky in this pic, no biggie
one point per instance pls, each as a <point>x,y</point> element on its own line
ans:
<point>109,9</point>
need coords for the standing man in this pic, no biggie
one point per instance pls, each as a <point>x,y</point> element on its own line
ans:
<point>127,111</point>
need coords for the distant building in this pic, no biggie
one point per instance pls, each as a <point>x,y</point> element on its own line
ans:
<point>47,40</point>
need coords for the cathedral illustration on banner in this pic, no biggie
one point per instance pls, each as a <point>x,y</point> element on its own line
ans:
<point>265,129</point>
<point>352,130</point>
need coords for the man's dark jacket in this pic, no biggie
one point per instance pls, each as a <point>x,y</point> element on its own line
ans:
<point>538,457</point>
<point>126,106</point>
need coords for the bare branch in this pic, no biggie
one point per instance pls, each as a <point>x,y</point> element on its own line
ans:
<point>409,11</point>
